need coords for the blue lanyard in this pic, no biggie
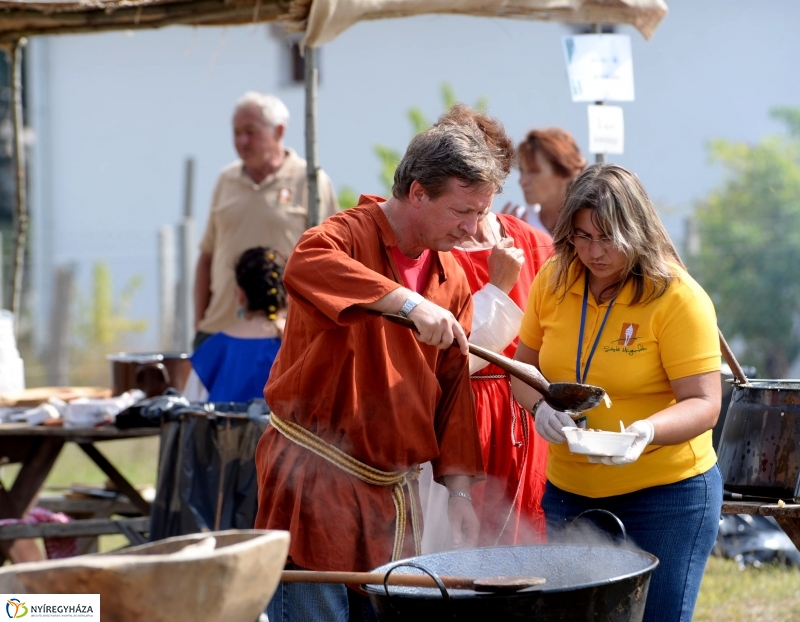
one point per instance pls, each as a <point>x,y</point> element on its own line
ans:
<point>582,379</point>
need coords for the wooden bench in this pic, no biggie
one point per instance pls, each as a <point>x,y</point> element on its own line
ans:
<point>131,528</point>
<point>36,448</point>
<point>93,508</point>
<point>787,515</point>
<point>89,507</point>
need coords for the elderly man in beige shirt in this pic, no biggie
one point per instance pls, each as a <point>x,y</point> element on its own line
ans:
<point>259,200</point>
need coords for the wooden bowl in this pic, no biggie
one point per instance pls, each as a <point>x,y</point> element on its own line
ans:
<point>225,575</point>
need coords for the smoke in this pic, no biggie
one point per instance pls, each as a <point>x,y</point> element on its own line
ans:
<point>505,523</point>
<point>592,527</point>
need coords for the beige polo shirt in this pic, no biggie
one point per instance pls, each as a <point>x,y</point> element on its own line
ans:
<point>245,214</point>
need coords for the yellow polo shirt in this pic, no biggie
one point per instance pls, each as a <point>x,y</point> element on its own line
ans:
<point>245,214</point>
<point>641,349</point>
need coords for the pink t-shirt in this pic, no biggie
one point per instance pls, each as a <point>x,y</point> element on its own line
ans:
<point>413,271</point>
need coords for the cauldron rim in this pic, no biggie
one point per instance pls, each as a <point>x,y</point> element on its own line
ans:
<point>768,384</point>
<point>434,594</point>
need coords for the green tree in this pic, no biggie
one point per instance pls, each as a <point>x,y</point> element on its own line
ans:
<point>389,157</point>
<point>102,327</point>
<point>749,252</point>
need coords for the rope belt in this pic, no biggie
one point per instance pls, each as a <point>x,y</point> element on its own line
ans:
<point>397,480</point>
<point>487,377</point>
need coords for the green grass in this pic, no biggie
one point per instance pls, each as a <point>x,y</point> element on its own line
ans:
<point>732,595</point>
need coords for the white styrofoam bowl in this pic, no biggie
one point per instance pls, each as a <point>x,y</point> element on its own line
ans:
<point>598,442</point>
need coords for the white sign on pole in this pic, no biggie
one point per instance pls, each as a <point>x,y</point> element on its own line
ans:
<point>600,67</point>
<point>606,130</point>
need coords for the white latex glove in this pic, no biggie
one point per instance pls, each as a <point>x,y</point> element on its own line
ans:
<point>644,432</point>
<point>550,421</point>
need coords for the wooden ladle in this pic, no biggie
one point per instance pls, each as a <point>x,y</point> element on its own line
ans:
<point>568,397</point>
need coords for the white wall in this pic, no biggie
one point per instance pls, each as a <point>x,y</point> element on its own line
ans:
<point>117,114</point>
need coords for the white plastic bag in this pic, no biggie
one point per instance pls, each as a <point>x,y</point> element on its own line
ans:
<point>12,370</point>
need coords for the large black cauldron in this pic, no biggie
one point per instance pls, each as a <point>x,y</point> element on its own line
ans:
<point>759,450</point>
<point>583,582</point>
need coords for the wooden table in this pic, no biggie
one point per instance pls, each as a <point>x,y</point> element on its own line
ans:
<point>38,447</point>
<point>788,516</point>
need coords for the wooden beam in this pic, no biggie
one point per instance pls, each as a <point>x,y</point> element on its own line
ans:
<point>87,507</point>
<point>31,477</point>
<point>21,213</point>
<point>75,529</point>
<point>763,508</point>
<point>311,57</point>
<point>123,485</point>
<point>210,12</point>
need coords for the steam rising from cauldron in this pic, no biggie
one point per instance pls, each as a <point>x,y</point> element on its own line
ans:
<point>596,527</point>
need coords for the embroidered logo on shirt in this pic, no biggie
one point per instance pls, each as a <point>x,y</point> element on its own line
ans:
<point>284,196</point>
<point>628,334</point>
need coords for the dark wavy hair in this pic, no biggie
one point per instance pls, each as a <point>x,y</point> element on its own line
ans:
<point>259,272</point>
<point>463,144</point>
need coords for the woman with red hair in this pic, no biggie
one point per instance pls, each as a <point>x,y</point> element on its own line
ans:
<point>549,160</point>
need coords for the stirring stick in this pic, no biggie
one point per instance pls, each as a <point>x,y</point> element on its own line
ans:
<point>621,426</point>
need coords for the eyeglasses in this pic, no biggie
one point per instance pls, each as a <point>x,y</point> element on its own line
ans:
<point>584,241</point>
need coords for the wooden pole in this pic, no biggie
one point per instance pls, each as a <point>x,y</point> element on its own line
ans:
<point>599,158</point>
<point>57,366</point>
<point>186,248</point>
<point>166,286</point>
<point>188,188</point>
<point>2,275</point>
<point>312,157</point>
<point>21,214</point>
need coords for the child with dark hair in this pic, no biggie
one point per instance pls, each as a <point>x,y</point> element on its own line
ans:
<point>233,365</point>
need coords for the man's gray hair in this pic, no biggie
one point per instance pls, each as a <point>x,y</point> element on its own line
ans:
<point>273,110</point>
<point>465,145</point>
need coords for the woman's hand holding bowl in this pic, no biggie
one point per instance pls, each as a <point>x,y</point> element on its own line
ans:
<point>550,421</point>
<point>644,436</point>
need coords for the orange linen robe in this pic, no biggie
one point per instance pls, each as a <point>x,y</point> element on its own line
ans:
<point>366,386</point>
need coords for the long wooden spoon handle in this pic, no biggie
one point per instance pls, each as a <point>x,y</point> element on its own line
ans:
<point>527,373</point>
<point>730,359</point>
<point>397,319</point>
<point>373,578</point>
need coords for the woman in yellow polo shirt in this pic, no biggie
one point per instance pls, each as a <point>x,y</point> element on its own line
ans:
<point>615,309</point>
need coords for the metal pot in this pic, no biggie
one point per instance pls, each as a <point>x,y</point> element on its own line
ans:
<point>727,383</point>
<point>152,372</point>
<point>583,582</point>
<point>759,449</point>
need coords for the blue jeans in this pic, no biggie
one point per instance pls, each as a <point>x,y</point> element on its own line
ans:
<point>318,602</point>
<point>677,523</point>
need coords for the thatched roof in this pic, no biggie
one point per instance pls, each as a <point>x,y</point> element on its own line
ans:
<point>321,20</point>
<point>33,17</point>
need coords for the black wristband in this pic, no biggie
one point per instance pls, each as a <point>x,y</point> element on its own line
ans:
<point>535,407</point>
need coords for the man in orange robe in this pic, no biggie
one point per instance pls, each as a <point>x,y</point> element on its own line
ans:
<point>358,402</point>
